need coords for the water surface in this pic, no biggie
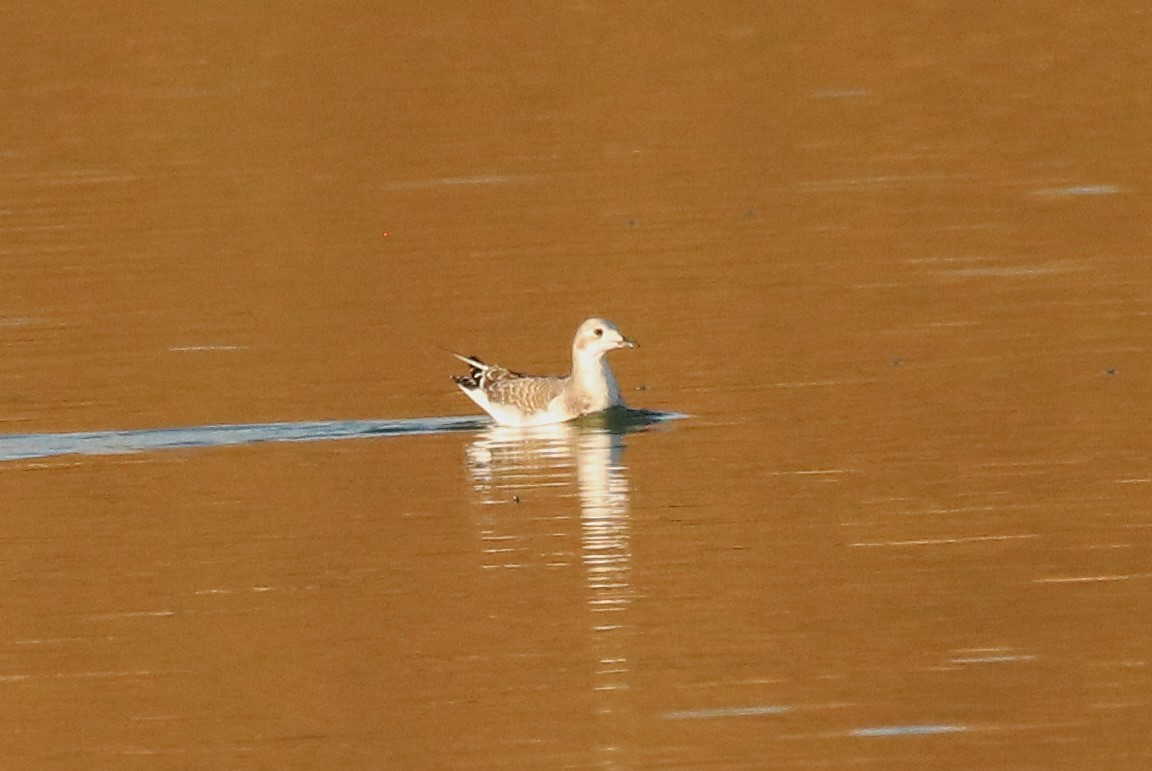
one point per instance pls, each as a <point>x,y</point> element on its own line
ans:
<point>893,262</point>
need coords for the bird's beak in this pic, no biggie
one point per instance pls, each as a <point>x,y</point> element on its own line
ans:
<point>626,343</point>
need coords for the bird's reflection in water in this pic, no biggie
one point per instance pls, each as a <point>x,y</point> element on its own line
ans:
<point>511,465</point>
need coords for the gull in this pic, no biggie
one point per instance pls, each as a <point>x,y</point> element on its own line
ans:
<point>513,399</point>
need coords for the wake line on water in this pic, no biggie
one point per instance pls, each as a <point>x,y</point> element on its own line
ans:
<point>27,446</point>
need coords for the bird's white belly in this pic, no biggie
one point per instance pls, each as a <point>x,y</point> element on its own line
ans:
<point>509,415</point>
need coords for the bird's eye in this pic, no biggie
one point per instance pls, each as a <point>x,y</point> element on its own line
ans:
<point>599,332</point>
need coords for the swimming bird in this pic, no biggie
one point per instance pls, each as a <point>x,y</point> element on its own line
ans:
<point>513,399</point>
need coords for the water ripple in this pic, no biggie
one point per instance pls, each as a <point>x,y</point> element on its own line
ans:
<point>908,730</point>
<point>26,446</point>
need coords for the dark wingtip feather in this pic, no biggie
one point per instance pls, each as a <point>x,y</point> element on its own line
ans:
<point>473,379</point>
<point>467,381</point>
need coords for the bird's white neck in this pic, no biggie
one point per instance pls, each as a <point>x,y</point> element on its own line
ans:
<point>593,377</point>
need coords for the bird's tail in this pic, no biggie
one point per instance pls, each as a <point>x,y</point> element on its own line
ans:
<point>471,361</point>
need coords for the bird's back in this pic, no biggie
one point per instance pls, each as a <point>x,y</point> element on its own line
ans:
<point>509,397</point>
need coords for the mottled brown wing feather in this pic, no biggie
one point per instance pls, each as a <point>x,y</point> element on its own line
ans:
<point>527,394</point>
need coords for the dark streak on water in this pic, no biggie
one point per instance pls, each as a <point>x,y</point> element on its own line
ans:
<point>27,446</point>
<point>22,447</point>
<point>908,730</point>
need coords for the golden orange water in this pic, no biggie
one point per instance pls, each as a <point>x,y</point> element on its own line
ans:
<point>892,262</point>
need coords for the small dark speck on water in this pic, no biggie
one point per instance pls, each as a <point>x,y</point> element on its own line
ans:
<point>515,498</point>
<point>751,214</point>
<point>641,387</point>
<point>631,223</point>
<point>1110,372</point>
<point>897,362</point>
